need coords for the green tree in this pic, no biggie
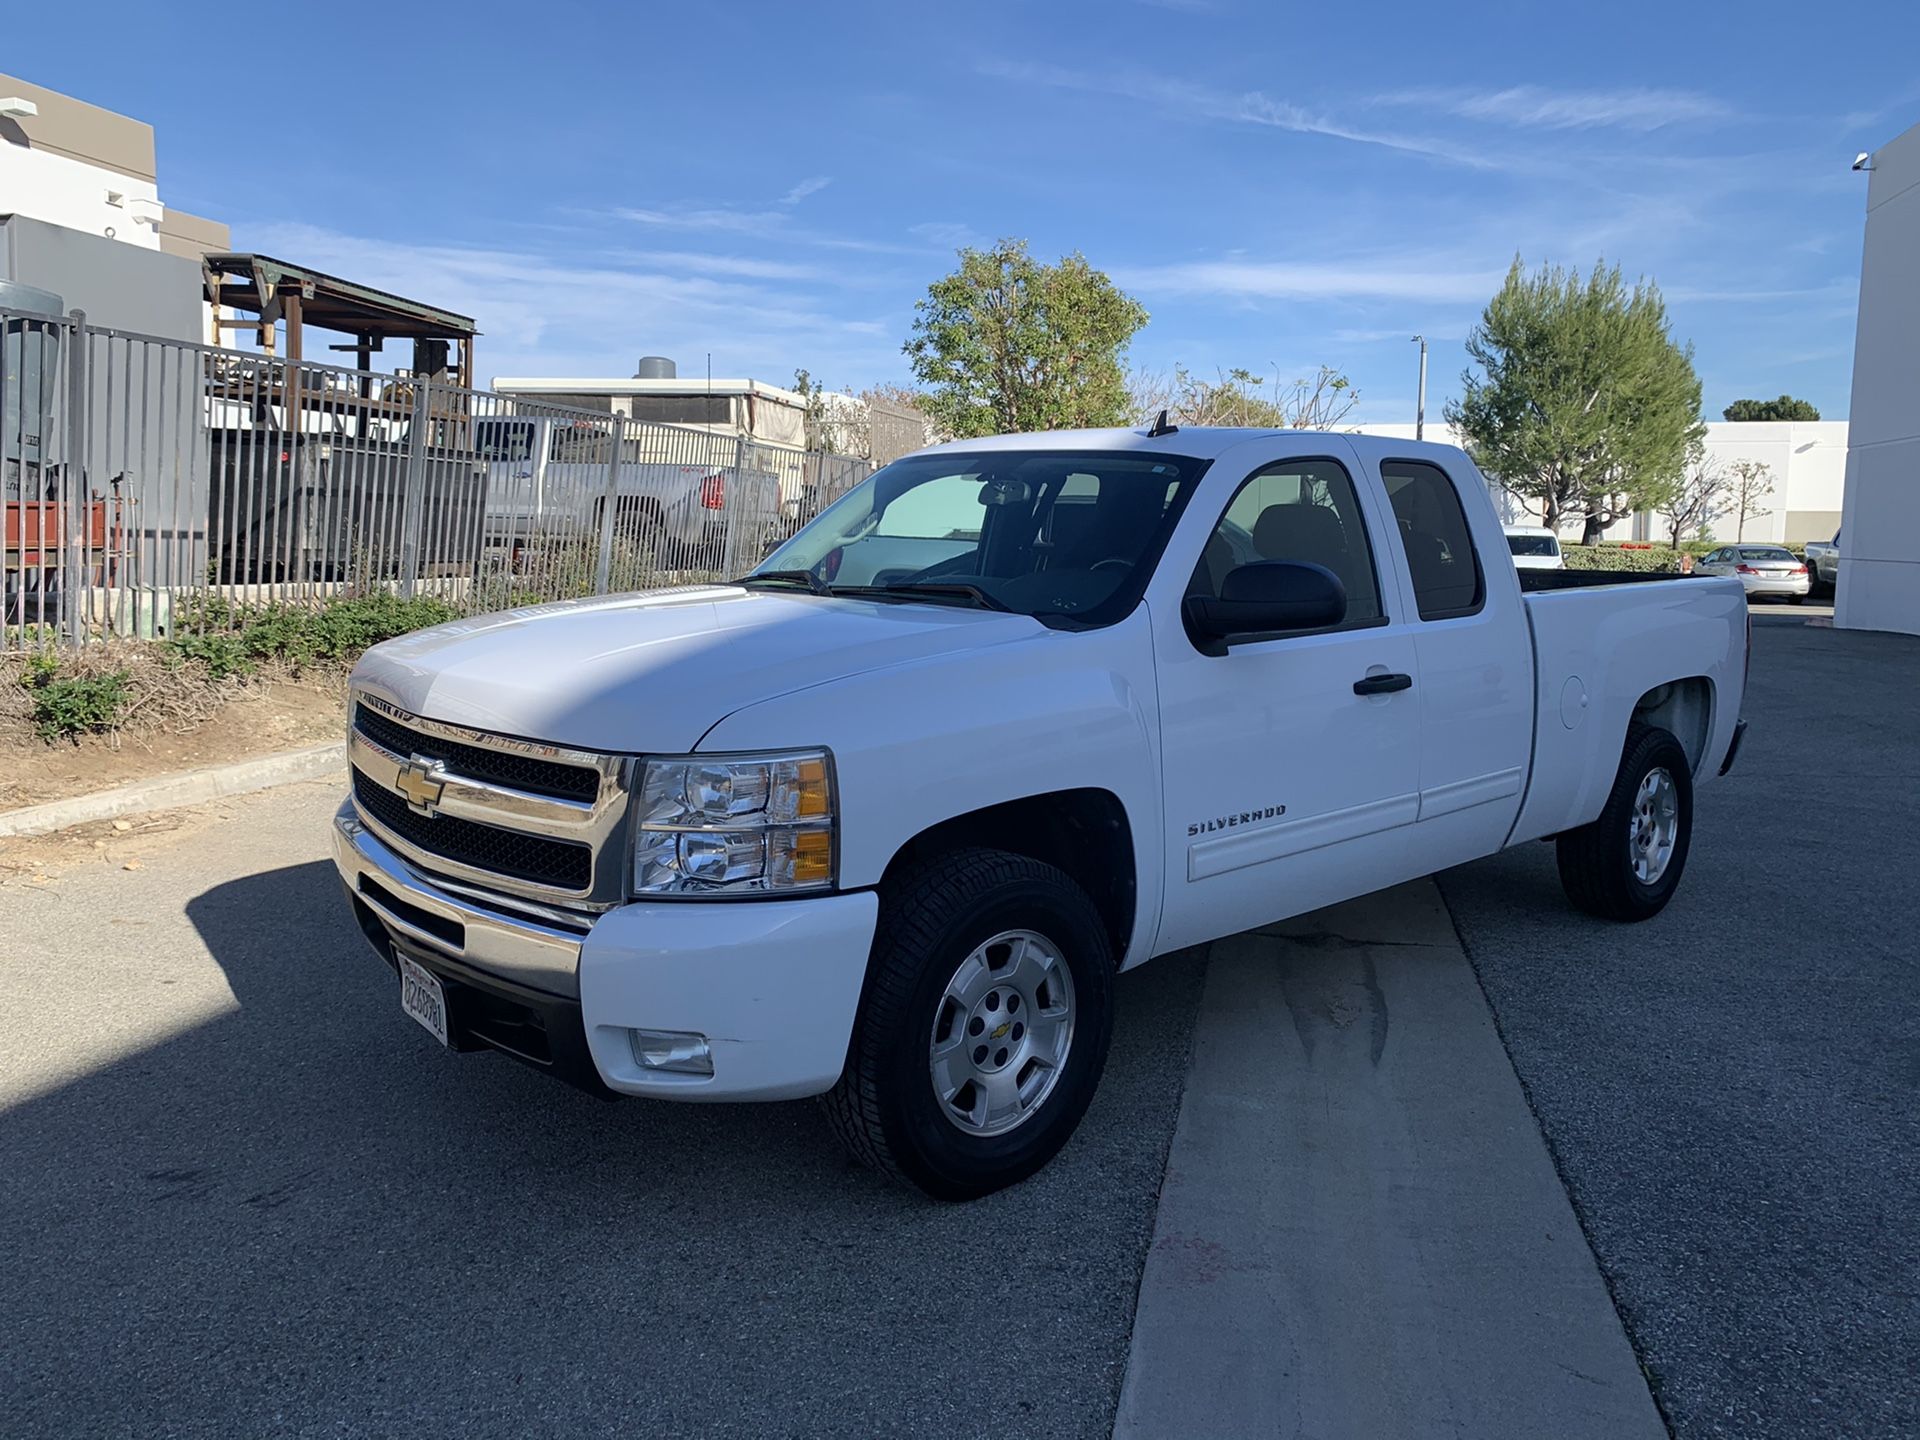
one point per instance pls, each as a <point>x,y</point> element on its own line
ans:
<point>1787,407</point>
<point>1007,344</point>
<point>1587,405</point>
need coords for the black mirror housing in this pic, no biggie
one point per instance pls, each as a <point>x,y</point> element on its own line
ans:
<point>1265,598</point>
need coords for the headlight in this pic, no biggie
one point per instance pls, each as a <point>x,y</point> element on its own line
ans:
<point>716,825</point>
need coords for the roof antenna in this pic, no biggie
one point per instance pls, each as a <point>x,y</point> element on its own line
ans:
<point>1160,427</point>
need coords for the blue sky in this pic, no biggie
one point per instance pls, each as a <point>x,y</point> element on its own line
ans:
<point>1281,185</point>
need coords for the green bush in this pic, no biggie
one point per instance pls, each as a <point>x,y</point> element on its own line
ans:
<point>232,640</point>
<point>82,705</point>
<point>1620,557</point>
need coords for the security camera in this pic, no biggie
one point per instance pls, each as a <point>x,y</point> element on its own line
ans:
<point>1863,161</point>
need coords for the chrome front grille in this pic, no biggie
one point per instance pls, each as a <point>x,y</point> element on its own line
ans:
<point>515,819</point>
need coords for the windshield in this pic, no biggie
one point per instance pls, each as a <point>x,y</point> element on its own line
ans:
<point>509,440</point>
<point>1040,532</point>
<point>1765,552</point>
<point>1533,545</point>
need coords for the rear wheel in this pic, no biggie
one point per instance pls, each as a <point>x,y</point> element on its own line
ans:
<point>983,1028</point>
<point>1627,864</point>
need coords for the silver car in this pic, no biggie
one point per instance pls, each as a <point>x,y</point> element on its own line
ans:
<point>1768,571</point>
<point>1823,561</point>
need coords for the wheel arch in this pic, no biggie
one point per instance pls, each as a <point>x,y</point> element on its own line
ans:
<point>1083,832</point>
<point>1684,708</point>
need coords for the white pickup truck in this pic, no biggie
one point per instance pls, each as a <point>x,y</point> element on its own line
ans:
<point>681,494</point>
<point>882,820</point>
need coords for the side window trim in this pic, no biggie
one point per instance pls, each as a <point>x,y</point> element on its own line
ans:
<point>1366,538</point>
<point>1458,612</point>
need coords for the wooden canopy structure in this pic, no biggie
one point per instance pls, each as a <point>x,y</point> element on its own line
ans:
<point>270,291</point>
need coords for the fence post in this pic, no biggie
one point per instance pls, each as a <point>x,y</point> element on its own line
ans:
<point>603,560</point>
<point>413,512</point>
<point>72,507</point>
<point>730,503</point>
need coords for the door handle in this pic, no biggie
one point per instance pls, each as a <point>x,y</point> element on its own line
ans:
<point>1382,684</point>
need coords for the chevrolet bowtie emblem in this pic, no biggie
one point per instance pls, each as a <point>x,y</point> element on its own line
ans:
<point>421,780</point>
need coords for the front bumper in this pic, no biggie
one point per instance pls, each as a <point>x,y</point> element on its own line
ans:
<point>773,985</point>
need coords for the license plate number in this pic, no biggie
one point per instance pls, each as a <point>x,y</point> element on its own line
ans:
<point>422,997</point>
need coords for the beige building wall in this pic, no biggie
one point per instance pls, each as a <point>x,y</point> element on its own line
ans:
<point>78,166</point>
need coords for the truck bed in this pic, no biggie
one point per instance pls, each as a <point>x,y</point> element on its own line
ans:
<point>1599,648</point>
<point>1532,580</point>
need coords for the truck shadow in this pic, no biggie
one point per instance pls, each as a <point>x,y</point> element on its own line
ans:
<point>252,1222</point>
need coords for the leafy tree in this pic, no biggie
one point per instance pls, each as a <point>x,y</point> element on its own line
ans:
<point>1786,407</point>
<point>1007,344</point>
<point>1750,482</point>
<point>1236,397</point>
<point>1697,501</point>
<point>1588,405</point>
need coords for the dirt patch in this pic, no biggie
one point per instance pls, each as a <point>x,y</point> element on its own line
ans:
<point>237,722</point>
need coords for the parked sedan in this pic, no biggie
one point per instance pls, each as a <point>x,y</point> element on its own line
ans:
<point>1768,571</point>
<point>1823,561</point>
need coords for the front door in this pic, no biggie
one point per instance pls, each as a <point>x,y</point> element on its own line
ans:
<point>1285,788</point>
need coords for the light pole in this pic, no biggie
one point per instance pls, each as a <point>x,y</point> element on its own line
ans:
<point>1420,412</point>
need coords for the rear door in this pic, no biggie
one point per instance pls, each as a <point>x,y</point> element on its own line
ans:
<point>1285,788</point>
<point>1475,655</point>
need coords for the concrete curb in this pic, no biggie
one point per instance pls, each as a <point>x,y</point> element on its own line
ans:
<point>191,787</point>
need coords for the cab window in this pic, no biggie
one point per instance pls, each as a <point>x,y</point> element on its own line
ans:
<point>1298,510</point>
<point>1433,532</point>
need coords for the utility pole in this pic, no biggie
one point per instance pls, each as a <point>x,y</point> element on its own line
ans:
<point>1420,412</point>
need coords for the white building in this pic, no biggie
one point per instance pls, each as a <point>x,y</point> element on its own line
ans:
<point>68,163</point>
<point>1880,540</point>
<point>1806,467</point>
<point>751,409</point>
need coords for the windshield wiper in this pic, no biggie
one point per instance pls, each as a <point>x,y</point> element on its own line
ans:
<point>956,589</point>
<point>790,577</point>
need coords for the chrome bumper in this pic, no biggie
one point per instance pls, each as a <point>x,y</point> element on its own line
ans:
<point>514,948</point>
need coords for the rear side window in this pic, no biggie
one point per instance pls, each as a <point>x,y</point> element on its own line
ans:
<point>1433,531</point>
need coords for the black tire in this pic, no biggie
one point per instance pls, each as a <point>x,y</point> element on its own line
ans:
<point>1596,861</point>
<point>932,917</point>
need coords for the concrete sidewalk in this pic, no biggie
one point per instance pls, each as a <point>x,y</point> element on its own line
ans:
<point>1360,1231</point>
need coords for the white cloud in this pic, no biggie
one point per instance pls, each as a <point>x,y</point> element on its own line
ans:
<point>947,234</point>
<point>1688,294</point>
<point>1385,279</point>
<point>1539,107</point>
<point>766,224</point>
<point>1252,107</point>
<point>812,185</point>
<point>742,222</point>
<point>542,313</point>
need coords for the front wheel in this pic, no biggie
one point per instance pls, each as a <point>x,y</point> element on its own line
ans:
<point>983,1028</point>
<point>1627,864</point>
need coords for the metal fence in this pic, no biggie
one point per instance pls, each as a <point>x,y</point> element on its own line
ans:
<point>156,488</point>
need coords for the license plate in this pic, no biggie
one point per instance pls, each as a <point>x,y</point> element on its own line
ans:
<point>422,997</point>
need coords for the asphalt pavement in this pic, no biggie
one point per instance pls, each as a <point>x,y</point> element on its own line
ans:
<point>1732,1090</point>
<point>241,1194</point>
<point>244,1195</point>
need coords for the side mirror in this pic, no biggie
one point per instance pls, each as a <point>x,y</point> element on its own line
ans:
<point>1263,598</point>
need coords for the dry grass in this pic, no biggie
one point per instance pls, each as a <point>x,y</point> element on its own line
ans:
<point>165,695</point>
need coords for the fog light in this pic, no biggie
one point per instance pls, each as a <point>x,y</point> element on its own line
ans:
<point>680,1052</point>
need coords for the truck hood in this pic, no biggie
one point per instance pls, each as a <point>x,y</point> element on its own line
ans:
<point>655,671</point>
